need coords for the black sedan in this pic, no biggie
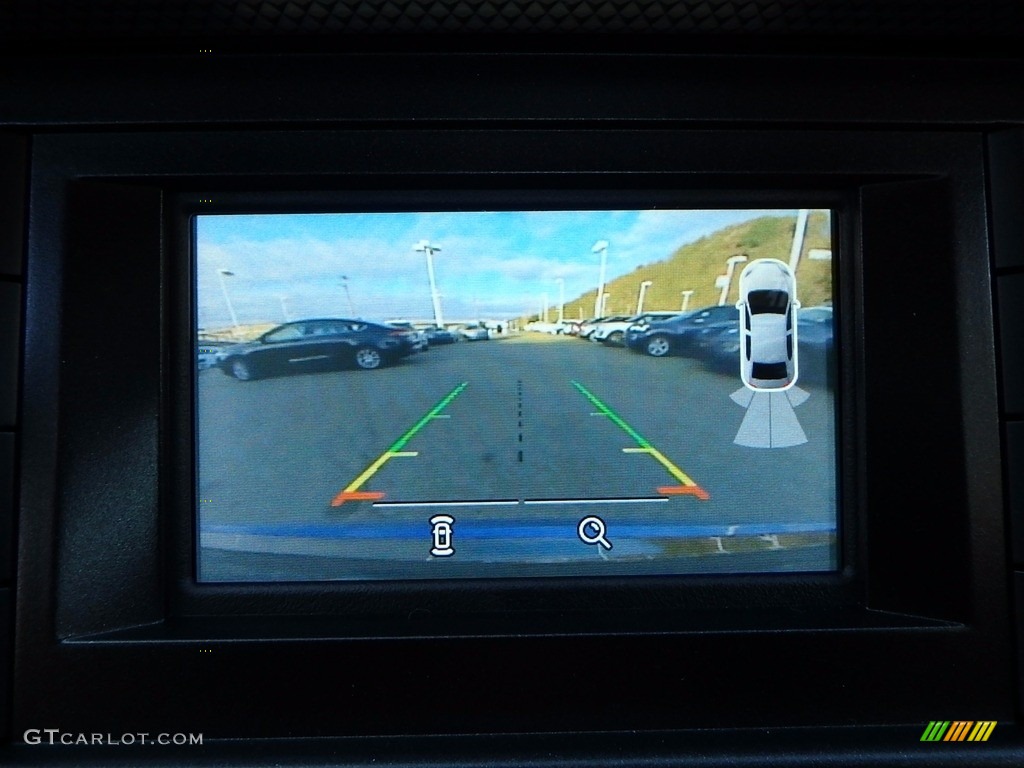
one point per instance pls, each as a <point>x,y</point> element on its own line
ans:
<point>677,335</point>
<point>317,345</point>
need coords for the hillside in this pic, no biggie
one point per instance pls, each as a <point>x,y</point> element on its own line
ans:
<point>696,265</point>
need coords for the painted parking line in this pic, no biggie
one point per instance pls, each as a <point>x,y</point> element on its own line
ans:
<point>352,492</point>
<point>686,484</point>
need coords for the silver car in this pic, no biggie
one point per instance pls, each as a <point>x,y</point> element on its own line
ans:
<point>768,307</point>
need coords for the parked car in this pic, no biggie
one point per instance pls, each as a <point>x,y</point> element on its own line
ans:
<point>316,345</point>
<point>768,351</point>
<point>474,333</point>
<point>420,341</point>
<point>539,326</point>
<point>208,353</point>
<point>676,335</point>
<point>588,327</point>
<point>614,331</point>
<point>437,335</point>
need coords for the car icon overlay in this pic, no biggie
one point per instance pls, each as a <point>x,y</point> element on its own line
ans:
<point>768,307</point>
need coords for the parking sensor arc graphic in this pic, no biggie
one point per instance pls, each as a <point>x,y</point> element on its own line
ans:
<point>352,492</point>
<point>687,486</point>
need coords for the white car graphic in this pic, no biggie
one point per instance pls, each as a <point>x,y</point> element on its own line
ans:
<point>768,307</point>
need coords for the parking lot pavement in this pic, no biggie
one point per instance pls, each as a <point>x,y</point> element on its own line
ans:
<point>516,441</point>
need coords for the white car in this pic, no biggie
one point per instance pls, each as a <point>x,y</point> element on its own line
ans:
<point>210,353</point>
<point>768,308</point>
<point>420,343</point>
<point>538,326</point>
<point>588,331</point>
<point>474,333</point>
<point>614,331</point>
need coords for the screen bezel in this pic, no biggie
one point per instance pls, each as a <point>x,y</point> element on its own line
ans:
<point>479,601</point>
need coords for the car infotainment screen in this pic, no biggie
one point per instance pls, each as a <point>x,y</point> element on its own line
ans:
<point>507,394</point>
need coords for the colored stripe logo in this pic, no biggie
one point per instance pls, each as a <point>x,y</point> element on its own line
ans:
<point>958,730</point>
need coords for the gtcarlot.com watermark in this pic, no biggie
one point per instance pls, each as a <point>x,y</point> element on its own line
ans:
<point>55,736</point>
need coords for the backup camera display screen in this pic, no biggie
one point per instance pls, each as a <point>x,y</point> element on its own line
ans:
<point>557,393</point>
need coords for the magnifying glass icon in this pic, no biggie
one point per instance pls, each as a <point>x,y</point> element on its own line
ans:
<point>592,530</point>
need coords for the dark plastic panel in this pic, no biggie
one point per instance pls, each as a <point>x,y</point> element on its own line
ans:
<point>1006,180</point>
<point>328,91</point>
<point>10,340</point>
<point>1018,593</point>
<point>6,662</point>
<point>6,506</point>
<point>1011,332</point>
<point>108,421</point>
<point>13,151</point>
<point>1015,486</point>
<point>905,218</point>
<point>110,23</point>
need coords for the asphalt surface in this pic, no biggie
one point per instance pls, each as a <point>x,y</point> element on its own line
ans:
<point>337,475</point>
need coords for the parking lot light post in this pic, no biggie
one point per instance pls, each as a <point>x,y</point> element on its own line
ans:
<point>686,300</point>
<point>603,305</point>
<point>561,300</point>
<point>640,300</point>
<point>798,239</point>
<point>601,246</point>
<point>424,246</point>
<point>222,273</point>
<point>348,296</point>
<point>725,281</point>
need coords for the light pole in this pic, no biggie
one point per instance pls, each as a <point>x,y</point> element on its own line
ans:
<point>640,300</point>
<point>284,307</point>
<point>601,246</point>
<point>725,281</point>
<point>561,300</point>
<point>686,300</point>
<point>348,296</point>
<point>603,307</point>
<point>222,273</point>
<point>424,246</point>
<point>798,239</point>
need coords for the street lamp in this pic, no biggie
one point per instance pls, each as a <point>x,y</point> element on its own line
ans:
<point>686,300</point>
<point>348,296</point>
<point>561,299</point>
<point>603,305</point>
<point>725,281</point>
<point>424,246</point>
<point>221,274</point>
<point>601,246</point>
<point>798,239</point>
<point>640,300</point>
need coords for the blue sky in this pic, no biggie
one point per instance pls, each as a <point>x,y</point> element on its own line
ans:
<point>492,265</point>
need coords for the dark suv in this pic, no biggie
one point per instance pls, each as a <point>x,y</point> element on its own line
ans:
<point>316,345</point>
